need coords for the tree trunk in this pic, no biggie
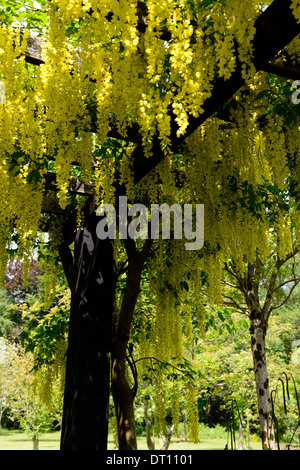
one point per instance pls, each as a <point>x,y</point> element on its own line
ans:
<point>35,442</point>
<point>123,394</point>
<point>123,401</point>
<point>241,437</point>
<point>185,428</point>
<point>258,331</point>
<point>150,443</point>
<point>248,434</point>
<point>86,400</point>
<point>168,436</point>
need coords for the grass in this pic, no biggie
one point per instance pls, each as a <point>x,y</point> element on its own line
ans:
<point>18,440</point>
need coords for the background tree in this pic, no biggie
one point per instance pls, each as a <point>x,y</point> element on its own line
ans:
<point>20,285</point>
<point>25,404</point>
<point>6,317</point>
<point>44,337</point>
<point>259,309</point>
<point>22,281</point>
<point>287,315</point>
<point>7,356</point>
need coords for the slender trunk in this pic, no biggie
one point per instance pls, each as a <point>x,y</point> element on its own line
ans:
<point>35,442</point>
<point>123,401</point>
<point>241,437</point>
<point>185,428</point>
<point>150,443</point>
<point>86,400</point>
<point>123,394</point>
<point>1,409</point>
<point>168,436</point>
<point>248,434</point>
<point>258,331</point>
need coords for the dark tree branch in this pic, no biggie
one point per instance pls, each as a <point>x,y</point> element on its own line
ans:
<point>152,358</point>
<point>132,366</point>
<point>233,303</point>
<point>66,258</point>
<point>272,283</point>
<point>283,70</point>
<point>286,282</point>
<point>274,307</point>
<point>276,27</point>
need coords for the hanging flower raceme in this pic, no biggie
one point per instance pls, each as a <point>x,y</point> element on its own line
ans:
<point>141,63</point>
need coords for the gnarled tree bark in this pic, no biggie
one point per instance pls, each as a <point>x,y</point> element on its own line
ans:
<point>258,332</point>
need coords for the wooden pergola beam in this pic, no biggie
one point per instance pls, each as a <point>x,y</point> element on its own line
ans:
<point>33,53</point>
<point>282,70</point>
<point>50,205</point>
<point>50,202</point>
<point>76,186</point>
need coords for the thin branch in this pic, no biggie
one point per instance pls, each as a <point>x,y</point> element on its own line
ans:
<point>286,298</point>
<point>28,7</point>
<point>286,282</point>
<point>271,287</point>
<point>234,286</point>
<point>230,271</point>
<point>161,362</point>
<point>226,267</point>
<point>132,366</point>
<point>235,304</point>
<point>122,269</point>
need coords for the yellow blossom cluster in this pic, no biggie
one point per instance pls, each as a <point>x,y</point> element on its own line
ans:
<point>123,62</point>
<point>20,150</point>
<point>241,170</point>
<point>296,9</point>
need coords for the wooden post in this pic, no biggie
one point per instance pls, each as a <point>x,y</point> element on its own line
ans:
<point>86,401</point>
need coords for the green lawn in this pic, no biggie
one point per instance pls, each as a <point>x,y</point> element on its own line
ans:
<point>17,440</point>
